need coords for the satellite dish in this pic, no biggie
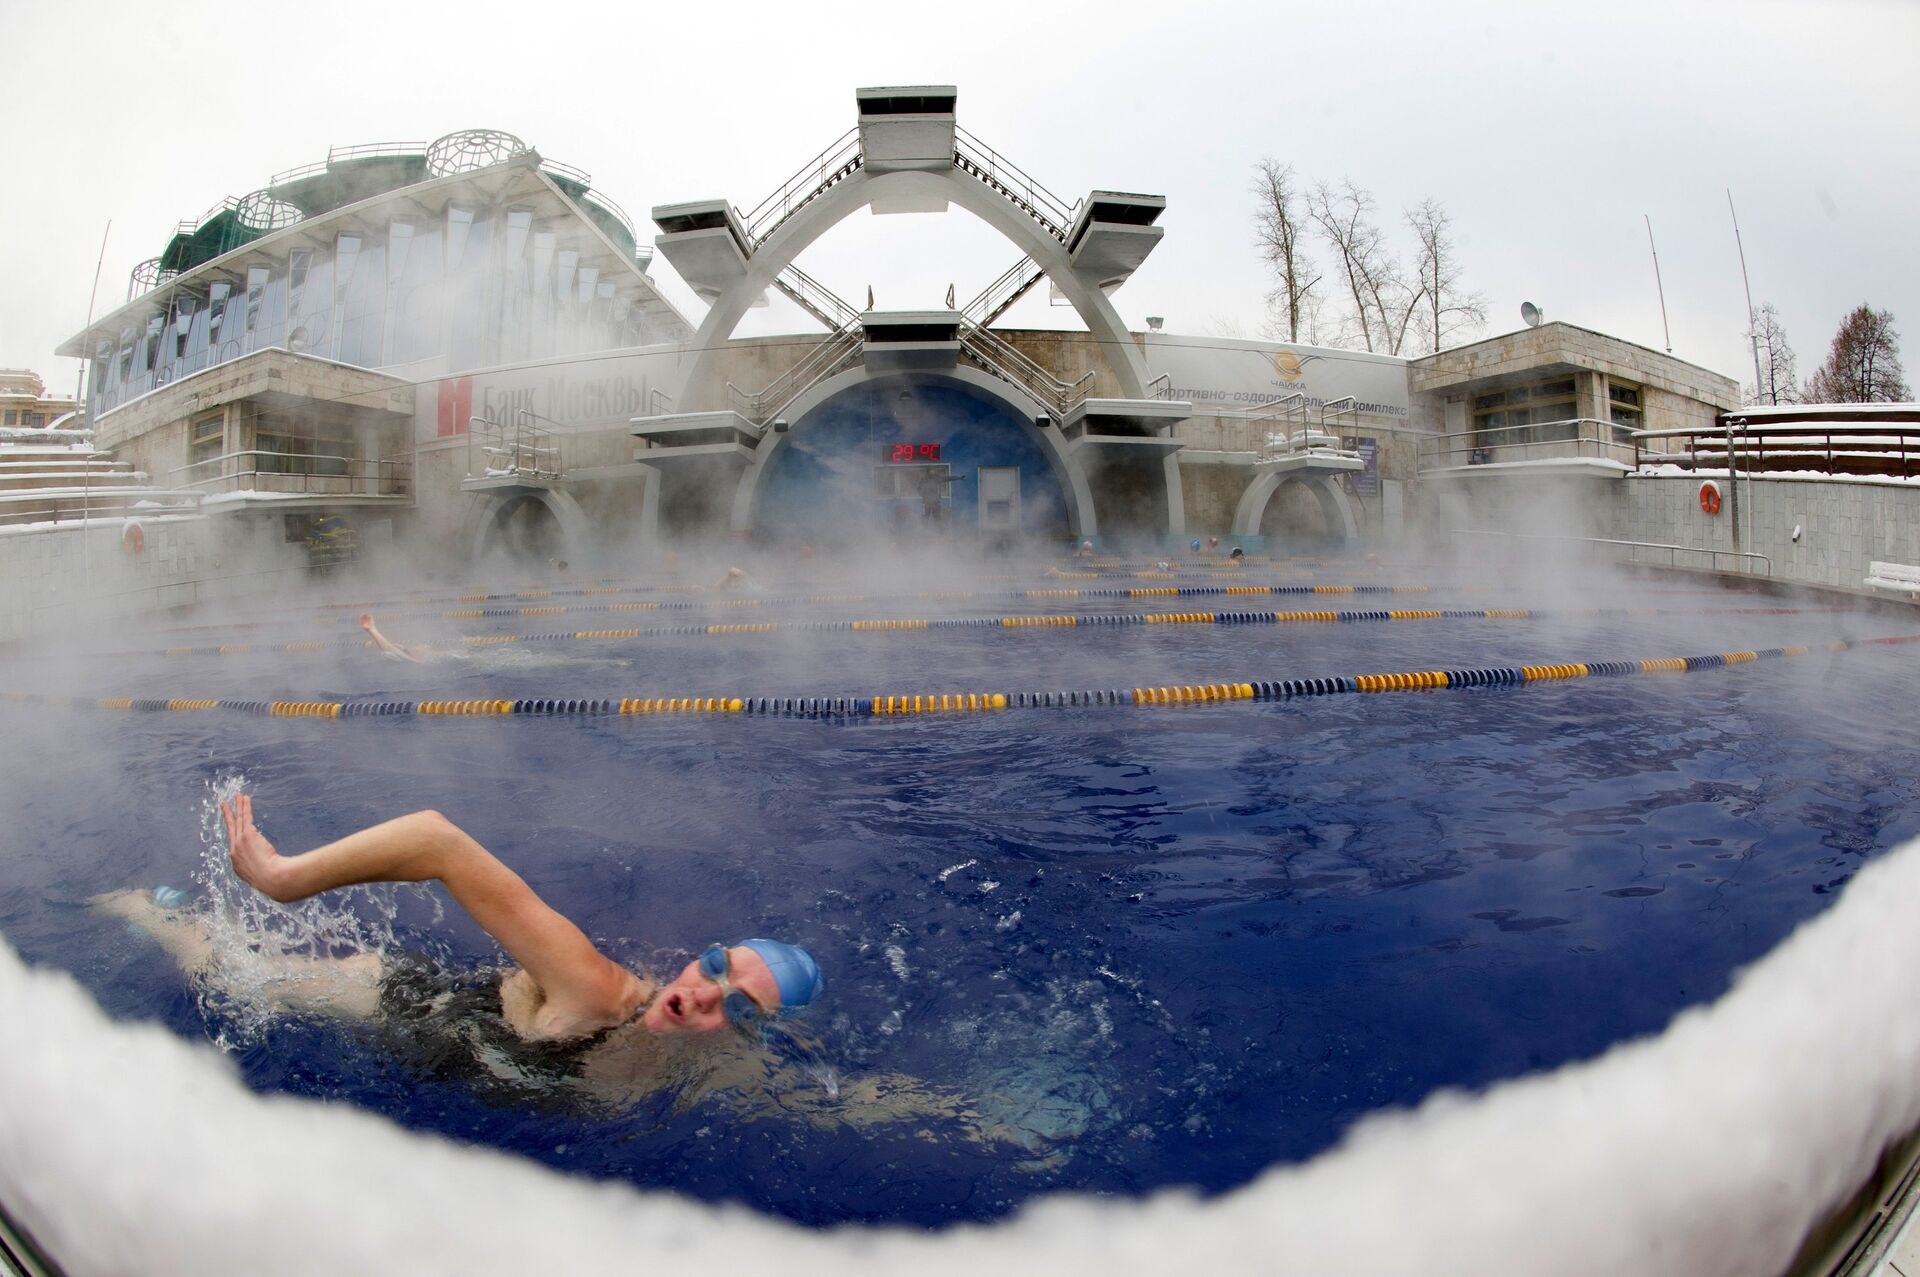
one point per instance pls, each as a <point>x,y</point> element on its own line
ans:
<point>1531,313</point>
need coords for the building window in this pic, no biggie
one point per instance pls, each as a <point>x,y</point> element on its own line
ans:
<point>13,418</point>
<point>287,447</point>
<point>1623,405</point>
<point>206,437</point>
<point>1520,414</point>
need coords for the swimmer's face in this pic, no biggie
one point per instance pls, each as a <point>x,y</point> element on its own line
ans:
<point>693,1003</point>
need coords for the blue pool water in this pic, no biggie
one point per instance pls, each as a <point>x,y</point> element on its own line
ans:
<point>1165,946</point>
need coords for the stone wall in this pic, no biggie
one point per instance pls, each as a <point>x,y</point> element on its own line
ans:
<point>1845,524</point>
<point>59,579</point>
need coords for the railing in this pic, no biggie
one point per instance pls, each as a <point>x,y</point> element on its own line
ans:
<point>840,156</point>
<point>516,449</point>
<point>976,157</point>
<point>1831,448</point>
<point>359,151</point>
<point>659,402</point>
<point>317,474</point>
<point>1161,387</point>
<point>1282,409</point>
<point>1005,361</point>
<point>1333,409</point>
<point>823,361</point>
<point>1013,283</point>
<point>567,171</point>
<point>613,210</point>
<point>65,508</point>
<point>1633,547</point>
<point>1575,437</point>
<point>816,298</point>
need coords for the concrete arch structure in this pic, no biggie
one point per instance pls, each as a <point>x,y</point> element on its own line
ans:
<point>1335,507</point>
<point>702,390</point>
<point>1081,520</point>
<point>499,506</point>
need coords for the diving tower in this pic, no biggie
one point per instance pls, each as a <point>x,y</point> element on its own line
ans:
<point>907,153</point>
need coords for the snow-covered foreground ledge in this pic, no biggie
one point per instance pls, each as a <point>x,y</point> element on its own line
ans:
<point>1709,1149</point>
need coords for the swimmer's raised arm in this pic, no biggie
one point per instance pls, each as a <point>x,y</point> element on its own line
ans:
<point>382,642</point>
<point>582,988</point>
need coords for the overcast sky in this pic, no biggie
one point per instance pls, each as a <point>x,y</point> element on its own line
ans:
<point>1548,131</point>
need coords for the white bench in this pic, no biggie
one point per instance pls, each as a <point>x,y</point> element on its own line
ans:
<point>1901,578</point>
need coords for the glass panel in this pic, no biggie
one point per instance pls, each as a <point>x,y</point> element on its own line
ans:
<point>459,222</point>
<point>256,289</point>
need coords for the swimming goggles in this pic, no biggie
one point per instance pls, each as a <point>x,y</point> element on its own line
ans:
<point>742,1011</point>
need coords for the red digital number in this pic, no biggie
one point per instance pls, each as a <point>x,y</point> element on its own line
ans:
<point>901,452</point>
<point>929,452</point>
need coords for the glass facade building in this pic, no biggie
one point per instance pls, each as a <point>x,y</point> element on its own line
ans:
<point>496,265</point>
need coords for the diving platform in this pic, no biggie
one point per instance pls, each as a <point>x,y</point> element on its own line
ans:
<point>1112,235</point>
<point>706,243</point>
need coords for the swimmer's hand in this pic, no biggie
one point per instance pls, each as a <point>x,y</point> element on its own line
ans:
<point>254,860</point>
<point>366,622</point>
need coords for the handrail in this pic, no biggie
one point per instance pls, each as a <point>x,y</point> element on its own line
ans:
<point>1638,545</point>
<point>357,472</point>
<point>810,177</point>
<point>1282,407</point>
<point>521,449</point>
<point>1014,281</point>
<point>567,171</point>
<point>619,214</point>
<point>1049,208</point>
<point>656,397</point>
<point>1840,447</point>
<point>822,361</point>
<point>1606,440</point>
<point>1049,389</point>
<point>825,305</point>
<point>1161,387</point>
<point>1345,406</point>
<point>363,150</point>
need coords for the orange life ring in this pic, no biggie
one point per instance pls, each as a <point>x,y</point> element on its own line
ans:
<point>133,538</point>
<point>1710,497</point>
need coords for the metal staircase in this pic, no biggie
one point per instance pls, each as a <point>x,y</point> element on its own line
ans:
<point>978,160</point>
<point>998,297</point>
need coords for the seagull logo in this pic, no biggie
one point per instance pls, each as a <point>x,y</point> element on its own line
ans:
<point>1289,366</point>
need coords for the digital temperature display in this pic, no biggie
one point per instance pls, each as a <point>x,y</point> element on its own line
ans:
<point>901,454</point>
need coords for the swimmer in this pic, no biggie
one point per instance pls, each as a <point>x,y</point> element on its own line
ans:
<point>1084,550</point>
<point>566,1016</point>
<point>1237,555</point>
<point>418,653</point>
<point>736,581</point>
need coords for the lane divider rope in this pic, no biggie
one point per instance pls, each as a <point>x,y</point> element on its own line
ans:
<point>885,705</point>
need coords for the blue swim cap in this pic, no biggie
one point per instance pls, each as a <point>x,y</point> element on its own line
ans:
<point>794,971</point>
<point>1194,544</point>
<point>169,897</point>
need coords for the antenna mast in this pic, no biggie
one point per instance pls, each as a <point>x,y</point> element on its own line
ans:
<point>1753,329</point>
<point>1663,288</point>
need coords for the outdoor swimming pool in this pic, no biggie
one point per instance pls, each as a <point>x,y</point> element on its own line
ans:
<point>1143,945</point>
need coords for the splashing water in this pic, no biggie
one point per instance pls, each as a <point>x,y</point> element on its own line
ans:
<point>259,947</point>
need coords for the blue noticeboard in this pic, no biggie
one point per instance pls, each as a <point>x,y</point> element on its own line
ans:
<point>1365,482</point>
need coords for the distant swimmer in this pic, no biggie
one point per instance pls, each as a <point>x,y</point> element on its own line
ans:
<point>736,581</point>
<point>1237,555</point>
<point>418,653</point>
<point>566,1016</point>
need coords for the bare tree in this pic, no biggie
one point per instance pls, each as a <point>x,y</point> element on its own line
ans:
<point>1281,227</point>
<point>1778,383</point>
<point>1384,302</point>
<point>1864,363</point>
<point>1445,310</point>
<point>1341,217</point>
